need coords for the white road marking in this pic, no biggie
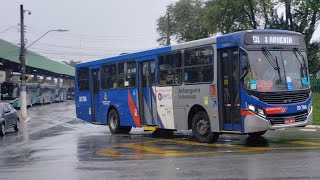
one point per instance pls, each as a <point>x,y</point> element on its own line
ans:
<point>308,130</point>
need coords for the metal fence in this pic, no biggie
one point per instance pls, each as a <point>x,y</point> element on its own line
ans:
<point>315,84</point>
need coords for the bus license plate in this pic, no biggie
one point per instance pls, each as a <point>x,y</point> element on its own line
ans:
<point>289,120</point>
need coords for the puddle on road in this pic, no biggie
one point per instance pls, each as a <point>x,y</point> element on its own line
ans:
<point>183,147</point>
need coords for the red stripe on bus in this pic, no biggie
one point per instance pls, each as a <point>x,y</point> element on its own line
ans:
<point>246,112</point>
<point>133,110</point>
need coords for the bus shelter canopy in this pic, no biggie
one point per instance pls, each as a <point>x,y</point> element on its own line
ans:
<point>36,64</point>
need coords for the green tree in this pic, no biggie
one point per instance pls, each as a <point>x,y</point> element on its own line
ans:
<point>299,15</point>
<point>314,57</point>
<point>186,22</point>
<point>226,16</point>
<point>71,63</point>
<point>194,19</point>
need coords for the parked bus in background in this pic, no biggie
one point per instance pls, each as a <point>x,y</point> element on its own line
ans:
<point>10,93</point>
<point>244,83</point>
<point>47,94</point>
<point>70,93</point>
<point>60,94</point>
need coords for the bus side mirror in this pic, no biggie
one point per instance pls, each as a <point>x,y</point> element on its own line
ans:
<point>245,63</point>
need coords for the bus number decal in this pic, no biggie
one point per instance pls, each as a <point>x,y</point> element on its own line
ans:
<point>82,98</point>
<point>302,107</point>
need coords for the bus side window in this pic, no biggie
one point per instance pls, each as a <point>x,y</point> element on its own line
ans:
<point>199,65</point>
<point>127,74</point>
<point>170,70</point>
<point>131,74</point>
<point>109,76</point>
<point>83,79</point>
<point>121,75</point>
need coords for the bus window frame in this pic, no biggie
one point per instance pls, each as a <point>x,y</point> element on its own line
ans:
<point>88,80</point>
<point>117,74</point>
<point>181,67</point>
<point>212,63</point>
<point>126,61</point>
<point>102,75</point>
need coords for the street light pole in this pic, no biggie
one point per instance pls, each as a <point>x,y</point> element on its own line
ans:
<point>58,30</point>
<point>23,93</point>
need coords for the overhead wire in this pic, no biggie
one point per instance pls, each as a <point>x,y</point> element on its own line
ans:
<point>8,29</point>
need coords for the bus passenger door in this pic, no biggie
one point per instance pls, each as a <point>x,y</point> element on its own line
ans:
<point>229,89</point>
<point>94,91</point>
<point>146,92</point>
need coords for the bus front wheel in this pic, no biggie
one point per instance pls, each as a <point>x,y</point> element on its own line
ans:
<point>201,128</point>
<point>114,123</point>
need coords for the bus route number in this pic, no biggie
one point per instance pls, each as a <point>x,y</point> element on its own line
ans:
<point>256,39</point>
<point>302,107</point>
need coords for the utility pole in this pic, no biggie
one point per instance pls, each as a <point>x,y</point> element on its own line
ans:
<point>168,29</point>
<point>23,93</point>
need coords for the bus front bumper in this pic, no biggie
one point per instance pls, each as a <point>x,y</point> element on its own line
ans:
<point>256,123</point>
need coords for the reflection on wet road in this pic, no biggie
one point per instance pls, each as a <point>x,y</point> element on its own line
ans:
<point>55,145</point>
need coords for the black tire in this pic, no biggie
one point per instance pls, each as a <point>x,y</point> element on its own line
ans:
<point>125,129</point>
<point>17,126</point>
<point>114,122</point>
<point>201,128</point>
<point>2,129</point>
<point>257,134</point>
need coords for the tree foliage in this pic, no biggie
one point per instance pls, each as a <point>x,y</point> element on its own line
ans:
<point>186,18</point>
<point>71,63</point>
<point>195,19</point>
<point>314,57</point>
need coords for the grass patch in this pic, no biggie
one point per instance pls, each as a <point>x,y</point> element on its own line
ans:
<point>316,108</point>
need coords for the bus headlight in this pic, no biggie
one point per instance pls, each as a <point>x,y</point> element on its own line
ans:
<point>251,107</point>
<point>256,110</point>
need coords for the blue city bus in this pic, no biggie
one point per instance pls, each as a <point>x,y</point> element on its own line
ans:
<point>246,82</point>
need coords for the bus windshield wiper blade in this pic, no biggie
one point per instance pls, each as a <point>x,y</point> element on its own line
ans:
<point>296,50</point>
<point>273,62</point>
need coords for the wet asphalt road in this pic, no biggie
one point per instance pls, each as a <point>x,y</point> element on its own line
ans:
<point>55,145</point>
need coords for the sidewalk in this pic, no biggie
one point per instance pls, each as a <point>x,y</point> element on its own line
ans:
<point>313,126</point>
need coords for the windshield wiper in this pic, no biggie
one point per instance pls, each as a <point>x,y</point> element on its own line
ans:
<point>296,50</point>
<point>273,61</point>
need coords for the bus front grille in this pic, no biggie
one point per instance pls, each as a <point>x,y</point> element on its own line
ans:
<point>276,119</point>
<point>284,97</point>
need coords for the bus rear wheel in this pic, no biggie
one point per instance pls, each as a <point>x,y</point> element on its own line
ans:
<point>201,128</point>
<point>114,123</point>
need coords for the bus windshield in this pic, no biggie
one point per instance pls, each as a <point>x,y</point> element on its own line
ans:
<point>276,70</point>
<point>9,91</point>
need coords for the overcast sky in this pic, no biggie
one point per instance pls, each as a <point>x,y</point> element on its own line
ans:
<point>97,28</point>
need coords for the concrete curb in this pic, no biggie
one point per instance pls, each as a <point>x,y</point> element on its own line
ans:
<point>313,126</point>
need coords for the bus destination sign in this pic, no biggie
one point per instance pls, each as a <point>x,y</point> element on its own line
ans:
<point>278,39</point>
